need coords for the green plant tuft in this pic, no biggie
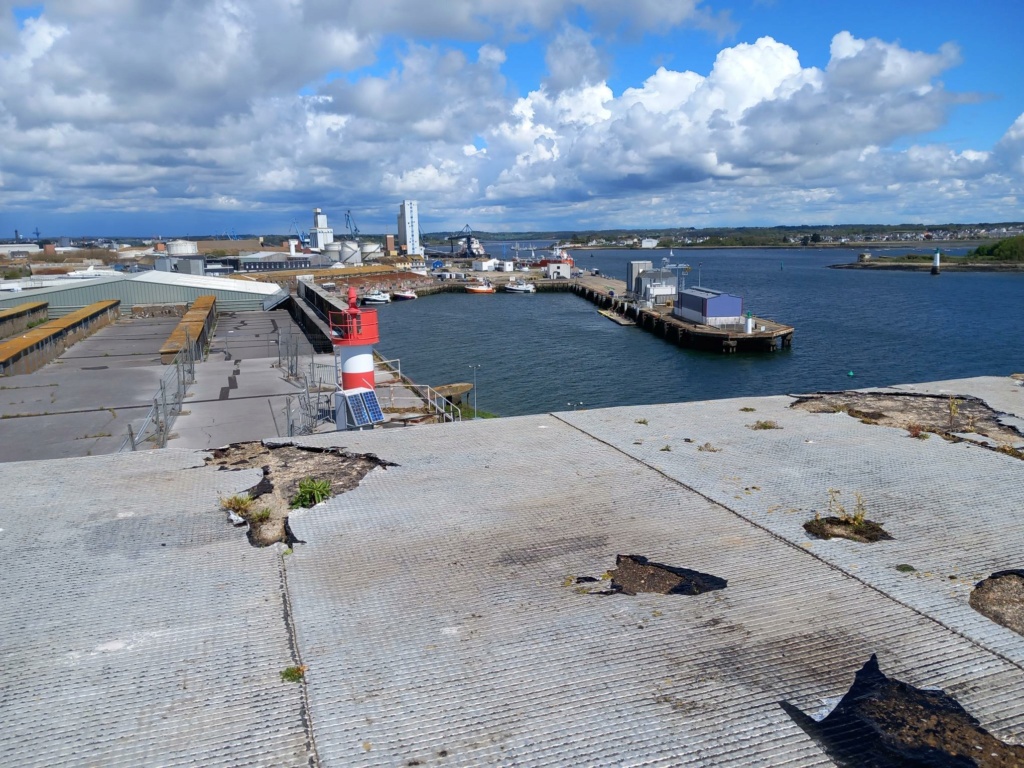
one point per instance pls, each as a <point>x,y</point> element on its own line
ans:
<point>260,515</point>
<point>748,409</point>
<point>905,568</point>
<point>764,424</point>
<point>311,492</point>
<point>666,448</point>
<point>293,674</point>
<point>641,421</point>
<point>239,504</point>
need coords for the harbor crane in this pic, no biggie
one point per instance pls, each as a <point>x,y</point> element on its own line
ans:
<point>466,233</point>
<point>303,236</point>
<point>350,222</point>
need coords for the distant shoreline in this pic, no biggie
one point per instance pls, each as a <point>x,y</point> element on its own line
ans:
<point>920,266</point>
<point>871,247</point>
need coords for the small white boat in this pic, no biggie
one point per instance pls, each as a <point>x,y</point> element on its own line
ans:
<point>520,286</point>
<point>404,295</point>
<point>376,297</point>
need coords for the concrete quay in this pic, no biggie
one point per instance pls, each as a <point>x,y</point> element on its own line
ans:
<point>438,612</point>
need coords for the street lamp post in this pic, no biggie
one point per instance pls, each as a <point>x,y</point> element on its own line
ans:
<point>699,265</point>
<point>474,367</point>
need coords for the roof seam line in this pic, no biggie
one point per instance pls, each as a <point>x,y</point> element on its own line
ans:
<point>306,711</point>
<point>792,544</point>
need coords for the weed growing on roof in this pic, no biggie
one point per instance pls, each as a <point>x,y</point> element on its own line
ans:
<point>641,421</point>
<point>837,510</point>
<point>748,409</point>
<point>954,408</point>
<point>260,515</point>
<point>917,431</point>
<point>240,504</point>
<point>293,674</point>
<point>311,492</point>
<point>708,447</point>
<point>905,568</point>
<point>666,448</point>
<point>764,424</point>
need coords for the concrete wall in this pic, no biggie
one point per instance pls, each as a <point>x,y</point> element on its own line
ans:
<point>46,342</point>
<point>17,319</point>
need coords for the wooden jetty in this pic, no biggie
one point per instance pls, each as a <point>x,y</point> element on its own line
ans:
<point>616,318</point>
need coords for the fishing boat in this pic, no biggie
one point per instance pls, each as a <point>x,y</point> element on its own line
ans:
<point>376,297</point>
<point>520,286</point>
<point>404,295</point>
<point>484,287</point>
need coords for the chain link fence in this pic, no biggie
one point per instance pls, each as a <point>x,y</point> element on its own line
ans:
<point>167,401</point>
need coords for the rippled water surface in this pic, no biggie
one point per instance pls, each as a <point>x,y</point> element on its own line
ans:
<point>547,351</point>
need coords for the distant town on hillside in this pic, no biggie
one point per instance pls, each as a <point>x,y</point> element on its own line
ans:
<point>674,237</point>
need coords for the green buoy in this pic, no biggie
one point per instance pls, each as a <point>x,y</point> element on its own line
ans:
<point>850,373</point>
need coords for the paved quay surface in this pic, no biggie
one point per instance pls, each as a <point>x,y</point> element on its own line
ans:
<point>81,403</point>
<point>436,608</point>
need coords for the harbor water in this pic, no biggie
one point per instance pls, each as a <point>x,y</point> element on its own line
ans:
<point>552,351</point>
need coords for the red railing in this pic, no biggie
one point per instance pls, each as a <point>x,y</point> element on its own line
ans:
<point>353,327</point>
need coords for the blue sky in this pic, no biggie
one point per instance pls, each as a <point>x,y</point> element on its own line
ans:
<point>206,116</point>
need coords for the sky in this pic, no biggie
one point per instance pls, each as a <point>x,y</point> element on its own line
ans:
<point>181,117</point>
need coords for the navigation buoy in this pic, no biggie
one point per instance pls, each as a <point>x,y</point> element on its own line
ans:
<point>850,373</point>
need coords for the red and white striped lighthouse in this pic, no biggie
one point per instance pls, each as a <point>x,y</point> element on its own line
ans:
<point>354,332</point>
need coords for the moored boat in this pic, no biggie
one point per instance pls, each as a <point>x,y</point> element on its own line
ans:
<point>404,295</point>
<point>520,286</point>
<point>484,287</point>
<point>376,297</point>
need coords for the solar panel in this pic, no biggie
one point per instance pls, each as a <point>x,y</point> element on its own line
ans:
<point>357,408</point>
<point>373,406</point>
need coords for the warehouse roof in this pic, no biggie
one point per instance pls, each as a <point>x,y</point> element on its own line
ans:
<point>453,609</point>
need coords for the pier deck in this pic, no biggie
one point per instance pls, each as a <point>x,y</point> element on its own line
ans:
<point>606,293</point>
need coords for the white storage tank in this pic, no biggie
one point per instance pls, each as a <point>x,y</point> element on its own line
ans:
<point>350,253</point>
<point>370,250</point>
<point>182,248</point>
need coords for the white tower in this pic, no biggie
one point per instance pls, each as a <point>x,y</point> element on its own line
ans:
<point>409,228</point>
<point>320,235</point>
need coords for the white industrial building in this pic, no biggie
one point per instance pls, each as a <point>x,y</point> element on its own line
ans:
<point>485,265</point>
<point>657,286</point>
<point>555,269</point>
<point>648,242</point>
<point>633,271</point>
<point>409,228</point>
<point>321,234</point>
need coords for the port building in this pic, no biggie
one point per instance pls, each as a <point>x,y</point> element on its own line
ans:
<point>708,307</point>
<point>321,235</point>
<point>409,228</point>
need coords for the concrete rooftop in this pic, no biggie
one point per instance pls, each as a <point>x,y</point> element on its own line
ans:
<point>435,606</point>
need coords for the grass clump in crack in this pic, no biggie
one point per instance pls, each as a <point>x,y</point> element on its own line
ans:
<point>288,473</point>
<point>764,424</point>
<point>240,504</point>
<point>311,492</point>
<point>841,523</point>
